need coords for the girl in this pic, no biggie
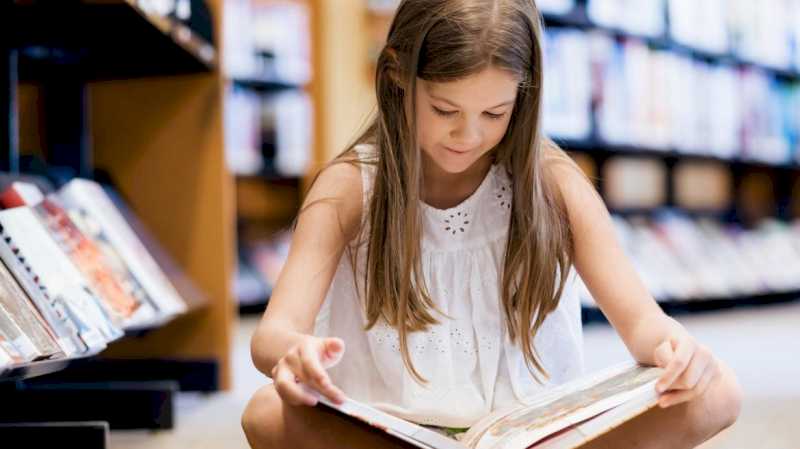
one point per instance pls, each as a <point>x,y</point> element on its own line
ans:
<point>439,251</point>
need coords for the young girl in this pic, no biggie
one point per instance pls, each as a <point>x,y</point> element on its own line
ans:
<point>434,259</point>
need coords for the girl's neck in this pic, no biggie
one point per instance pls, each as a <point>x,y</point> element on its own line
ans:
<point>444,190</point>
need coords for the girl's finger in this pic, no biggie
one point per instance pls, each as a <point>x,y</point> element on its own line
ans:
<point>295,364</point>
<point>332,351</point>
<point>675,397</point>
<point>705,380</point>
<point>316,376</point>
<point>683,354</point>
<point>288,388</point>
<point>694,371</point>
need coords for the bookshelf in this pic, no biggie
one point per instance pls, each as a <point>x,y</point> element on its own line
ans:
<point>182,194</point>
<point>578,18</point>
<point>261,71</point>
<point>105,40</point>
<point>105,87</point>
<point>34,369</point>
<point>264,85</point>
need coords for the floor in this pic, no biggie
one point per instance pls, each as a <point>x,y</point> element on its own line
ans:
<point>761,344</point>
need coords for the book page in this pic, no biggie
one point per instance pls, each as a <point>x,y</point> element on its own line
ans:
<point>567,405</point>
<point>399,428</point>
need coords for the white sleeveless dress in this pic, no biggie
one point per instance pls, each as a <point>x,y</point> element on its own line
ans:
<point>471,366</point>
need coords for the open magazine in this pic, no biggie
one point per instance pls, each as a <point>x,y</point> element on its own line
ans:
<point>563,417</point>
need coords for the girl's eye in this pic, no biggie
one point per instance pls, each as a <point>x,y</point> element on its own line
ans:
<point>494,116</point>
<point>443,113</point>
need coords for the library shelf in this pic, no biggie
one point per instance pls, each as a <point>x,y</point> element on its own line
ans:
<point>109,39</point>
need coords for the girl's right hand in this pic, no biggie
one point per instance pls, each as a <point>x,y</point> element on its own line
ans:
<point>305,363</point>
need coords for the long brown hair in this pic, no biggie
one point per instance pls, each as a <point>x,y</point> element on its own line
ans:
<point>446,40</point>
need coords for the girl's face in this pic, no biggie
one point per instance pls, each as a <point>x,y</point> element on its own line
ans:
<point>458,122</point>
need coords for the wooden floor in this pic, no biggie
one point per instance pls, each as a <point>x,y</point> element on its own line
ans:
<point>762,345</point>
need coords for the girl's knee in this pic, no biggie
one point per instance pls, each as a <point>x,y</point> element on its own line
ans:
<point>728,398</point>
<point>720,405</point>
<point>261,416</point>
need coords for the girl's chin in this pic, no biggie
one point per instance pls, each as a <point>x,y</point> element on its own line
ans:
<point>453,167</point>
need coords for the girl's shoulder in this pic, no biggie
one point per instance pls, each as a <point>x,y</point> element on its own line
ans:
<point>573,189</point>
<point>337,194</point>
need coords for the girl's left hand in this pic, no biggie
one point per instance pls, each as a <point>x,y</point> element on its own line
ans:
<point>689,368</point>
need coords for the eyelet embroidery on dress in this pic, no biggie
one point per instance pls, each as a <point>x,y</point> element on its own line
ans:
<point>456,222</point>
<point>463,340</point>
<point>386,335</point>
<point>502,193</point>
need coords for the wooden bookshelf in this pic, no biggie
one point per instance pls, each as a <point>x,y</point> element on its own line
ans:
<point>171,166</point>
<point>155,106</point>
<point>104,39</point>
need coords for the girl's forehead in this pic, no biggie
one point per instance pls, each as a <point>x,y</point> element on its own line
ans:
<point>489,87</point>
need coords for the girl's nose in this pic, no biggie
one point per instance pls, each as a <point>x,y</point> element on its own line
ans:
<point>467,135</point>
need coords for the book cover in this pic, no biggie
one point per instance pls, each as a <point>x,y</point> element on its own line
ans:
<point>187,290</point>
<point>90,198</point>
<point>120,299</point>
<point>563,417</point>
<point>24,314</point>
<point>35,246</point>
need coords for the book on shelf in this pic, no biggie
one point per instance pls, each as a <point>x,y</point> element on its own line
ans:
<point>32,243</point>
<point>641,18</point>
<point>565,416</point>
<point>19,309</point>
<point>15,346</point>
<point>91,200</point>
<point>121,296</point>
<point>187,289</point>
<point>53,310</point>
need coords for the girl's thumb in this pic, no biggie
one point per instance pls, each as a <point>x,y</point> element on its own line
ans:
<point>332,351</point>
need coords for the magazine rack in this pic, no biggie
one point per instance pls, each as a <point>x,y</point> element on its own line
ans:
<point>103,86</point>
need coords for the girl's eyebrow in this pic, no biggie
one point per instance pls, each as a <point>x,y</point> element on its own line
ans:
<point>459,107</point>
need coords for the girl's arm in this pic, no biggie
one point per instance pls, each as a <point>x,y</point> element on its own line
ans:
<point>650,335</point>
<point>283,338</point>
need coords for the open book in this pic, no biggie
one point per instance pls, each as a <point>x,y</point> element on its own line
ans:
<point>565,416</point>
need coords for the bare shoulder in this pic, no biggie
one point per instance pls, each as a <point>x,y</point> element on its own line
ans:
<point>572,185</point>
<point>336,194</point>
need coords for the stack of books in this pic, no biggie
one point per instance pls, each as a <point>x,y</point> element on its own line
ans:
<point>667,101</point>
